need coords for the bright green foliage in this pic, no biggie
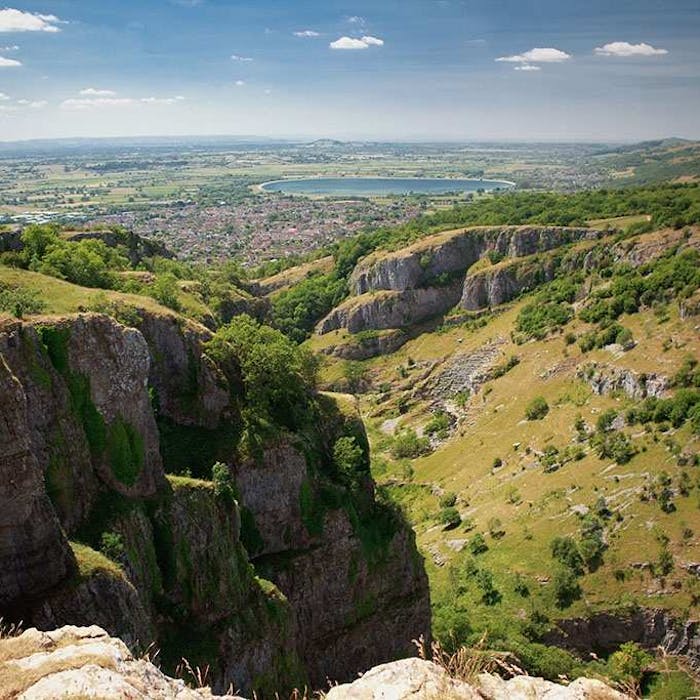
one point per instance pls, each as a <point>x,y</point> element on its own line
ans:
<point>349,458</point>
<point>112,545</point>
<point>407,445</point>
<point>438,425</point>
<point>628,664</point>
<point>279,377</point>
<point>537,409</point>
<point>450,518</point>
<point>36,240</point>
<point>613,445</point>
<point>20,301</point>
<point>165,290</point>
<point>224,488</point>
<point>490,595</point>
<point>89,263</point>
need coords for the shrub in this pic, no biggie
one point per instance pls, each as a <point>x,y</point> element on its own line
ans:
<point>490,595</point>
<point>20,301</point>
<point>537,409</point>
<point>408,445</point>
<point>349,458</point>
<point>224,488</point>
<point>477,544</point>
<point>448,500</point>
<point>450,518</point>
<point>565,551</point>
<point>566,588</point>
<point>438,425</point>
<point>628,664</point>
<point>112,545</point>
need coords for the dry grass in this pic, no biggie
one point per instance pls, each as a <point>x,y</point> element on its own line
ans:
<point>467,663</point>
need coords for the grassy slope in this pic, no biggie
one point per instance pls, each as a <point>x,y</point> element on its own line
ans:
<point>463,465</point>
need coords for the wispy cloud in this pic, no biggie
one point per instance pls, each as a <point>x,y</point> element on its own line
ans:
<point>9,62</point>
<point>12,47</point>
<point>527,67</point>
<point>538,55</point>
<point>3,96</point>
<point>239,83</point>
<point>347,43</point>
<point>307,33</point>
<point>624,48</point>
<point>32,104</point>
<point>241,59</point>
<point>94,102</point>
<point>12,20</point>
<point>97,92</point>
<point>356,19</point>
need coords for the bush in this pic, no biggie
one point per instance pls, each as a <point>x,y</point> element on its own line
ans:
<point>407,445</point>
<point>565,551</point>
<point>450,518</point>
<point>20,301</point>
<point>537,409</point>
<point>628,664</point>
<point>490,595</point>
<point>112,545</point>
<point>349,458</point>
<point>477,544</point>
<point>448,500</point>
<point>224,488</point>
<point>566,588</point>
<point>439,425</point>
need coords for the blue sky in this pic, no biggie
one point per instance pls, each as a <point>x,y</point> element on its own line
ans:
<point>387,69</point>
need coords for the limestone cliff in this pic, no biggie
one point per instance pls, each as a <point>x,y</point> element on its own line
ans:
<point>427,279</point>
<point>97,413</point>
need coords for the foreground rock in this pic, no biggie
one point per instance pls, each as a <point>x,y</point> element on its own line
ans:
<point>414,679</point>
<point>79,662</point>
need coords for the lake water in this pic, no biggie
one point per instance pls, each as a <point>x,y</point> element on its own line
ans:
<point>364,186</point>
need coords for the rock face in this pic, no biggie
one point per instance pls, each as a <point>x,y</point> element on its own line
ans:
<point>34,554</point>
<point>92,415</point>
<point>415,679</point>
<point>87,662</point>
<point>606,379</point>
<point>83,662</point>
<point>428,278</point>
<point>604,632</point>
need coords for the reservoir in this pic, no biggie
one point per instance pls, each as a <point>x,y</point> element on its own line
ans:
<point>378,186</point>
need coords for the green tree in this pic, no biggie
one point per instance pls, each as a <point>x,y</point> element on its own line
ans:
<point>537,409</point>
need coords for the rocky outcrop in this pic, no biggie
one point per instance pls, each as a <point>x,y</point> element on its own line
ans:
<point>83,662</point>
<point>427,279</point>
<point>604,632</point>
<point>368,345</point>
<point>34,554</point>
<point>415,679</point>
<point>388,309</point>
<point>84,391</point>
<point>455,251</point>
<point>605,379</point>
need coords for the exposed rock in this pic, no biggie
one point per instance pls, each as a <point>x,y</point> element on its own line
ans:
<point>83,662</point>
<point>390,309</point>
<point>455,251</point>
<point>426,279</point>
<point>415,679</point>
<point>604,379</point>
<point>366,346</point>
<point>604,632</point>
<point>34,554</point>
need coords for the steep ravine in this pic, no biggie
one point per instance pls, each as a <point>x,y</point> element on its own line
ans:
<point>98,414</point>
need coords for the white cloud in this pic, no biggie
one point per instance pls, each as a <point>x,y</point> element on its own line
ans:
<point>242,59</point>
<point>91,102</point>
<point>527,67</point>
<point>12,20</point>
<point>537,55</point>
<point>307,33</point>
<point>623,48</point>
<point>97,92</point>
<point>239,83</point>
<point>32,104</point>
<point>3,96</point>
<point>373,41</point>
<point>348,43</point>
<point>9,62</point>
<point>162,100</point>
<point>356,19</point>
<point>13,47</point>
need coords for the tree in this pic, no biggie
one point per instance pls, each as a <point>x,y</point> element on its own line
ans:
<point>564,549</point>
<point>537,409</point>
<point>450,518</point>
<point>349,458</point>
<point>628,664</point>
<point>477,544</point>
<point>224,488</point>
<point>566,588</point>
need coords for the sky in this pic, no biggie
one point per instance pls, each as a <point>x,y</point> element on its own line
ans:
<point>525,70</point>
